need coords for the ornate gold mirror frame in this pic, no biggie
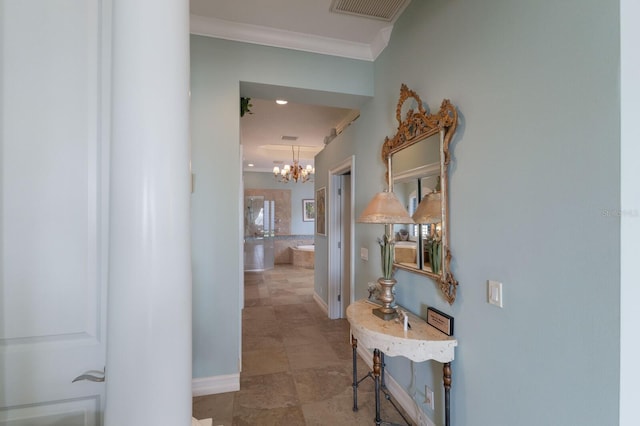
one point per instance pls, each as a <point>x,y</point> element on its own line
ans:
<point>417,126</point>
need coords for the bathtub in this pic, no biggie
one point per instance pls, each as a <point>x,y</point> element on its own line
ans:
<point>303,256</point>
<point>405,253</point>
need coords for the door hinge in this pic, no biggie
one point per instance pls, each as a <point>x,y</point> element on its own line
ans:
<point>339,244</point>
<point>339,298</point>
<point>339,191</point>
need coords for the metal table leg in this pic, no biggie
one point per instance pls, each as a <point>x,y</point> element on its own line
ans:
<point>354,348</point>
<point>376,379</point>
<point>377,374</point>
<point>446,378</point>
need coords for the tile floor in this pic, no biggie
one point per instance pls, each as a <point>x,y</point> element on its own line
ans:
<point>296,363</point>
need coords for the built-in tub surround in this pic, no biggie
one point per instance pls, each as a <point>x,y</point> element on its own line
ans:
<point>282,238</point>
<point>303,256</point>
<point>283,245</point>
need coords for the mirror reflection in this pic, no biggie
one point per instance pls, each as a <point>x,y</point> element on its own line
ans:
<point>417,158</point>
<point>416,177</point>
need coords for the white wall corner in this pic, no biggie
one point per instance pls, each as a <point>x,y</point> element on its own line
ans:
<point>215,384</point>
<point>321,303</point>
<point>401,396</point>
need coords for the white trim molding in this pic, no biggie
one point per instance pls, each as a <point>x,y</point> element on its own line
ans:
<point>215,384</point>
<point>321,303</point>
<point>267,36</point>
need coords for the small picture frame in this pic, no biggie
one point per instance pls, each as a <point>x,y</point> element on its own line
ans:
<point>321,194</point>
<point>440,321</point>
<point>308,210</point>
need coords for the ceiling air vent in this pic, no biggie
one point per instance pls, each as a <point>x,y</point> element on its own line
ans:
<point>385,10</point>
<point>289,138</point>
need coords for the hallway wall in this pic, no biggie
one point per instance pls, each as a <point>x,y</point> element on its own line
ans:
<point>217,68</point>
<point>535,191</point>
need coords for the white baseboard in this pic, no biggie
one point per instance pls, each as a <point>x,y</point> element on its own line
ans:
<point>215,384</point>
<point>401,396</point>
<point>321,303</point>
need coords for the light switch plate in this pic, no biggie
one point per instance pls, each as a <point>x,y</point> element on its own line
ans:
<point>364,253</point>
<point>494,293</point>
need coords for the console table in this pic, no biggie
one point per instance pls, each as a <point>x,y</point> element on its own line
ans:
<point>421,342</point>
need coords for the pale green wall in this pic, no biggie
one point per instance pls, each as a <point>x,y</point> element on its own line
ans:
<point>535,165</point>
<point>217,68</point>
<point>299,191</point>
<point>535,170</point>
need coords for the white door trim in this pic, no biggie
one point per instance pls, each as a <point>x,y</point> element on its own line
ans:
<point>333,235</point>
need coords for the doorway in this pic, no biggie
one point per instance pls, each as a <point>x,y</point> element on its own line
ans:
<point>340,237</point>
<point>259,225</point>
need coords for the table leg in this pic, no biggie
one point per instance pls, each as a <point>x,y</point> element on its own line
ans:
<point>446,377</point>
<point>376,378</point>
<point>354,348</point>
<point>385,391</point>
<point>383,384</point>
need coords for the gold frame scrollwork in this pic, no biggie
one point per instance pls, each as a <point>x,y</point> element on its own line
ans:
<point>416,126</point>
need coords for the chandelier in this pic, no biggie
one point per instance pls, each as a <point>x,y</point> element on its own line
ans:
<point>293,172</point>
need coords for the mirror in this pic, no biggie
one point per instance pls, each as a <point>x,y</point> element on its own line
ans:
<point>418,157</point>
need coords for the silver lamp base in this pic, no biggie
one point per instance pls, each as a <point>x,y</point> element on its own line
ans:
<point>386,316</point>
<point>386,312</point>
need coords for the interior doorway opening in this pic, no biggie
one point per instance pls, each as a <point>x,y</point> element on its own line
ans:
<point>262,98</point>
<point>341,237</point>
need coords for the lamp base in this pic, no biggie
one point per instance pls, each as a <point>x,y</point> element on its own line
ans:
<point>384,314</point>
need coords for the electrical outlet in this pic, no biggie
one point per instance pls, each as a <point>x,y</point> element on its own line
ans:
<point>428,397</point>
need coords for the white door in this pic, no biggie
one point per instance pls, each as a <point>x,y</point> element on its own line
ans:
<point>54,71</point>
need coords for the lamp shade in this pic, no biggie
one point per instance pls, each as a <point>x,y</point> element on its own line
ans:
<point>430,209</point>
<point>385,208</point>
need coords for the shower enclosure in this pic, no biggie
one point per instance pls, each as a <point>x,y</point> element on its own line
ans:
<point>259,232</point>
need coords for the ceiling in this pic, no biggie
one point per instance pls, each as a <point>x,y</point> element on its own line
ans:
<point>271,131</point>
<point>307,25</point>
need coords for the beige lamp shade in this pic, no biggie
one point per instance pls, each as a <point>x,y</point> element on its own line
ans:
<point>385,208</point>
<point>430,209</point>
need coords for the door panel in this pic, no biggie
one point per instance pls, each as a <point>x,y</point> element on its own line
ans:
<point>62,413</point>
<point>53,204</point>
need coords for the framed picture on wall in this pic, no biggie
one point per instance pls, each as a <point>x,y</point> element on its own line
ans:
<point>308,210</point>
<point>320,211</point>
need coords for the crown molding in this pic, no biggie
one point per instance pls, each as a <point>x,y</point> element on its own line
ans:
<point>266,36</point>
<point>381,41</point>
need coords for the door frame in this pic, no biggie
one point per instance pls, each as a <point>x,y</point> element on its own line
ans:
<point>335,259</point>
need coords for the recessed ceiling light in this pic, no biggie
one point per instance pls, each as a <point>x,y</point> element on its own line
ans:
<point>250,164</point>
<point>281,102</point>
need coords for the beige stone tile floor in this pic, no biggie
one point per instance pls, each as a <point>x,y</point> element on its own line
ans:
<point>296,363</point>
